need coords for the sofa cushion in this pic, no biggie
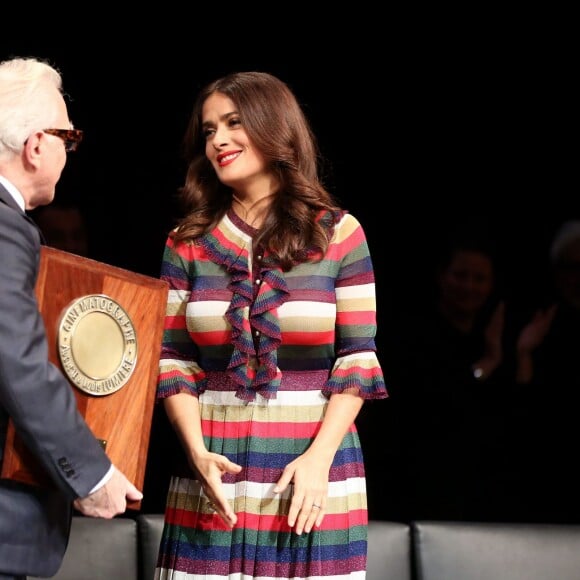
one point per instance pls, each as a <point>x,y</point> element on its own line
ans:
<point>100,549</point>
<point>493,551</point>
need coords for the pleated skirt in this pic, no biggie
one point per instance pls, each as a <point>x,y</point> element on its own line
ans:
<point>263,436</point>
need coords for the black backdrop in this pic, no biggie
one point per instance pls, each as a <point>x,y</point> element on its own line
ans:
<point>419,136</point>
<point>426,125</point>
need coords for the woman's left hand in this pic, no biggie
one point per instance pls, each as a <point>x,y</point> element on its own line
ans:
<point>309,477</point>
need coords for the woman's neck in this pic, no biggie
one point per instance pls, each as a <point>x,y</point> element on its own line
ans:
<point>252,210</point>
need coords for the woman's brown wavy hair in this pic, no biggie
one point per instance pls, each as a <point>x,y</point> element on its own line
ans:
<point>276,125</point>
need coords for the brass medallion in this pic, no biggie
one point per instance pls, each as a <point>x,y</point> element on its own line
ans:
<point>97,344</point>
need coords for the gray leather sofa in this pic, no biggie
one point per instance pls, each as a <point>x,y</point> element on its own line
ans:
<point>125,548</point>
<point>487,551</point>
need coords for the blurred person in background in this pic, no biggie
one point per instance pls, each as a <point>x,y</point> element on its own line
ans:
<point>548,376</point>
<point>445,364</point>
<point>64,226</point>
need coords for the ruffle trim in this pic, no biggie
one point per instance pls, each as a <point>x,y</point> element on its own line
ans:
<point>177,376</point>
<point>360,372</point>
<point>253,369</point>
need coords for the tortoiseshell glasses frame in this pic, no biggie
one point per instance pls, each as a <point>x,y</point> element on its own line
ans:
<point>71,137</point>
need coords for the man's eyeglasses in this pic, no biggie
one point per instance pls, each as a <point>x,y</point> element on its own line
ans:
<point>71,137</point>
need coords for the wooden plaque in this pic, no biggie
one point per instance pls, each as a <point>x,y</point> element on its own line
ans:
<point>118,404</point>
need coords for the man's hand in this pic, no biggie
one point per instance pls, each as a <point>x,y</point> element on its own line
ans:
<point>110,499</point>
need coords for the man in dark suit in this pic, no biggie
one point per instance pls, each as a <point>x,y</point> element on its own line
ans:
<point>35,137</point>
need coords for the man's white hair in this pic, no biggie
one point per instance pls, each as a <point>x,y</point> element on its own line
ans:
<point>24,85</point>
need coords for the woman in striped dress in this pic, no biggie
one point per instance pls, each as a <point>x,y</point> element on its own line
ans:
<point>268,350</point>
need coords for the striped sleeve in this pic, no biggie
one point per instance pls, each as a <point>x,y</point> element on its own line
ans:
<point>357,366</point>
<point>178,370</point>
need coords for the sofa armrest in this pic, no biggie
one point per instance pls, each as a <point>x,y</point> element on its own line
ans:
<point>150,527</point>
<point>389,550</point>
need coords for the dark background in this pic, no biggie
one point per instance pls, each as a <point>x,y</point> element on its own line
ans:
<point>424,129</point>
<point>421,133</point>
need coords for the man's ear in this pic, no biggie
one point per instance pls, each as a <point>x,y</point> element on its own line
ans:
<point>32,148</point>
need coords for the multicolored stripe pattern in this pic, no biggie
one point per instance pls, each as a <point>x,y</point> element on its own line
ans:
<point>320,315</point>
<point>263,350</point>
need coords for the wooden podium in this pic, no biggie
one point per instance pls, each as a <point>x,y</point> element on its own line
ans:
<point>104,328</point>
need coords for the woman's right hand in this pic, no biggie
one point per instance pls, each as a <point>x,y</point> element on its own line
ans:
<point>183,412</point>
<point>210,468</point>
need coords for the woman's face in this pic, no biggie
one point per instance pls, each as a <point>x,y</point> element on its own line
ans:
<point>236,161</point>
<point>467,282</point>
